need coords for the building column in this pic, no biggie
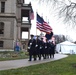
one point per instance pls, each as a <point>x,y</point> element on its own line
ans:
<point>19,31</point>
<point>28,33</point>
<point>18,39</point>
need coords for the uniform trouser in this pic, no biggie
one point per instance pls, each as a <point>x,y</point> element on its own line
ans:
<point>34,54</point>
<point>30,54</point>
<point>30,57</point>
<point>50,53</point>
<point>46,56</point>
<point>42,53</point>
<point>46,53</point>
<point>38,54</point>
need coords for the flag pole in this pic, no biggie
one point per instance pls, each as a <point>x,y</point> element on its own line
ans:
<point>41,31</point>
<point>36,21</point>
<point>36,31</point>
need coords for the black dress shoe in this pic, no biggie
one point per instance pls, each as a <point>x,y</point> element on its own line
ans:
<point>35,59</point>
<point>29,60</point>
<point>39,58</point>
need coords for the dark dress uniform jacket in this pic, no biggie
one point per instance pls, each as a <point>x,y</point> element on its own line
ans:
<point>37,46</point>
<point>46,50</point>
<point>42,47</point>
<point>31,45</point>
<point>52,48</point>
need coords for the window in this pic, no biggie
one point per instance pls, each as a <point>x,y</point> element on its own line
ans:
<point>2,7</point>
<point>1,28</point>
<point>1,43</point>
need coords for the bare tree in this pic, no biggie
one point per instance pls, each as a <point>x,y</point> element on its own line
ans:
<point>67,10</point>
<point>68,38</point>
<point>69,13</point>
<point>60,38</point>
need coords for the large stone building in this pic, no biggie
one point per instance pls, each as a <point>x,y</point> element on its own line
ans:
<point>12,25</point>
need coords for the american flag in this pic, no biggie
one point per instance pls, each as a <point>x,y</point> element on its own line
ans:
<point>47,27</point>
<point>42,25</point>
<point>31,14</point>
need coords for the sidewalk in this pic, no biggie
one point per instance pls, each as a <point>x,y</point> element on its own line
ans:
<point>12,64</point>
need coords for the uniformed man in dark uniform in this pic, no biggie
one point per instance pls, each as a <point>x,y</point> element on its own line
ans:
<point>41,48</point>
<point>46,50</point>
<point>51,49</point>
<point>37,47</point>
<point>31,48</point>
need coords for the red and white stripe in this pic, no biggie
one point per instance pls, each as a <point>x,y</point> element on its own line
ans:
<point>44,27</point>
<point>32,16</point>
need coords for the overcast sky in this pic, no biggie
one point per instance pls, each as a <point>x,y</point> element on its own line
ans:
<point>57,24</point>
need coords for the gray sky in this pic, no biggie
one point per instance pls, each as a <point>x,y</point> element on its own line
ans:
<point>57,24</point>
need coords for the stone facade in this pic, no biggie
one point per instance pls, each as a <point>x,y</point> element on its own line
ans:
<point>13,26</point>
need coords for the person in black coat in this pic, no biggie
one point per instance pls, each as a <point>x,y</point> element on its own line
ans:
<point>31,48</point>
<point>51,49</point>
<point>41,48</point>
<point>37,47</point>
<point>46,49</point>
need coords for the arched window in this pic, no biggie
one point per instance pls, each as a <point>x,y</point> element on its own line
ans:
<point>1,28</point>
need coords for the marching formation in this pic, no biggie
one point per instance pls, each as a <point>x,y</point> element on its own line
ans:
<point>37,48</point>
